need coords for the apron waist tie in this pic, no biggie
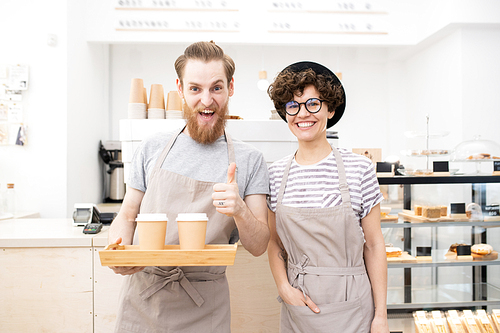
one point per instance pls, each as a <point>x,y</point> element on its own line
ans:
<point>178,275</point>
<point>297,272</point>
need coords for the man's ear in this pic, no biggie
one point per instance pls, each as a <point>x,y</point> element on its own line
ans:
<point>331,114</point>
<point>231,87</point>
<point>178,83</point>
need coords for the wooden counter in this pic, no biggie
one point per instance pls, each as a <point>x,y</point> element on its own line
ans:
<point>46,276</point>
<point>52,280</point>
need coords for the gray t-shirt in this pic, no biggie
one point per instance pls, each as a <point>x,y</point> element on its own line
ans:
<point>204,162</point>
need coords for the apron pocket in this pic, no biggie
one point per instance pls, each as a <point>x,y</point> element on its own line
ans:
<point>344,317</point>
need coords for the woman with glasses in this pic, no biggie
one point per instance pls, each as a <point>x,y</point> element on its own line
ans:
<point>327,252</point>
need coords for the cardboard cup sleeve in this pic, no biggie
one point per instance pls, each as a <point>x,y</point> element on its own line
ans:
<point>137,111</point>
<point>156,114</point>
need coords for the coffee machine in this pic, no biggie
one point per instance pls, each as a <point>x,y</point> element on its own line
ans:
<point>114,185</point>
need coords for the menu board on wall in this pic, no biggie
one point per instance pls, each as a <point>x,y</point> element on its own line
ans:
<point>177,16</point>
<point>251,21</point>
<point>327,17</point>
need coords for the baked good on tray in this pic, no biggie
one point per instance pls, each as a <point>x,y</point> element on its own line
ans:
<point>431,212</point>
<point>393,252</point>
<point>444,210</point>
<point>453,247</point>
<point>482,249</point>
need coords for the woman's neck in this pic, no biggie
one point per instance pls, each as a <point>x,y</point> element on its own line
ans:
<point>312,152</point>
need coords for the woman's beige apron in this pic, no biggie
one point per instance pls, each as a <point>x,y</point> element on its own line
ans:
<point>179,299</point>
<point>325,262</point>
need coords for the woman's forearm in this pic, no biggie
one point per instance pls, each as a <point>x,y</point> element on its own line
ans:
<point>376,266</point>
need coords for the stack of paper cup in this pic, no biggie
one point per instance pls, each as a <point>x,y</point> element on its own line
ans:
<point>156,106</point>
<point>137,100</point>
<point>174,106</point>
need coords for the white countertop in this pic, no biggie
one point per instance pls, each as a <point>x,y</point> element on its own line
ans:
<point>47,233</point>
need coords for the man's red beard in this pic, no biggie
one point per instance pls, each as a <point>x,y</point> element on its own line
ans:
<point>205,134</point>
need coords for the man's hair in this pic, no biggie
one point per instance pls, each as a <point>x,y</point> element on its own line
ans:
<point>289,82</point>
<point>206,52</point>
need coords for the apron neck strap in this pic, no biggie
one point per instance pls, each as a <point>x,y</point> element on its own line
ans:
<point>167,148</point>
<point>344,188</point>
<point>284,180</point>
<point>164,153</point>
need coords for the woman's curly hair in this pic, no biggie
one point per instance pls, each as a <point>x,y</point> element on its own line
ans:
<point>289,83</point>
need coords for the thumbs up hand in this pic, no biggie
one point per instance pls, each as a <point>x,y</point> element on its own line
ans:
<point>226,197</point>
<point>231,173</point>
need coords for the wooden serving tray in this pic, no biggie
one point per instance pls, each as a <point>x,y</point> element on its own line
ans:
<point>171,255</point>
<point>450,255</point>
<point>389,218</point>
<point>403,258</point>
<point>409,215</point>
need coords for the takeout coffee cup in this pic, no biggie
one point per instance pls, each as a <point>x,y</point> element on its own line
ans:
<point>192,230</point>
<point>137,91</point>
<point>156,98</point>
<point>152,231</point>
<point>174,102</point>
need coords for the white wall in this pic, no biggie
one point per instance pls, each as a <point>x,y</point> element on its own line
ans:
<point>65,107</point>
<point>38,169</point>
<point>481,83</point>
<point>87,110</point>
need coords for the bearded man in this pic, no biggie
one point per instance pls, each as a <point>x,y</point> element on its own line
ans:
<point>192,170</point>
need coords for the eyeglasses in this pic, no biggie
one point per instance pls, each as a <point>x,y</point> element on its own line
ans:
<point>313,105</point>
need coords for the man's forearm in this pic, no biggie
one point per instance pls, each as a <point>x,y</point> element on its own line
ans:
<point>124,224</point>
<point>254,234</point>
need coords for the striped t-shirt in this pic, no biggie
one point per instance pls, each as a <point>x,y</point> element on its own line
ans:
<point>317,185</point>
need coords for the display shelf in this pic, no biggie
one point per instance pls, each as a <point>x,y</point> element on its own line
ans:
<point>455,179</point>
<point>477,293</point>
<point>440,296</point>
<point>439,260</point>
<point>484,224</point>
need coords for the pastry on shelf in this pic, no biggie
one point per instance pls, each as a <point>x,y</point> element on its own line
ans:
<point>455,322</point>
<point>476,150</point>
<point>484,322</point>
<point>393,252</point>
<point>481,249</point>
<point>418,210</point>
<point>431,212</point>
<point>444,210</point>
<point>453,247</point>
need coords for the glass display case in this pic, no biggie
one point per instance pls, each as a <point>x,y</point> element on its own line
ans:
<point>440,282</point>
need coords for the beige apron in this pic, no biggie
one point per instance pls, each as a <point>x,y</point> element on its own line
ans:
<point>179,299</point>
<point>325,262</point>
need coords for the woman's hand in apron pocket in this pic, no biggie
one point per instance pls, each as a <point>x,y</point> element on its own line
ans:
<point>124,270</point>
<point>294,296</point>
<point>226,197</point>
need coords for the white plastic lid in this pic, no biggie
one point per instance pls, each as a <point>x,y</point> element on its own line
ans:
<point>192,217</point>
<point>151,217</point>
